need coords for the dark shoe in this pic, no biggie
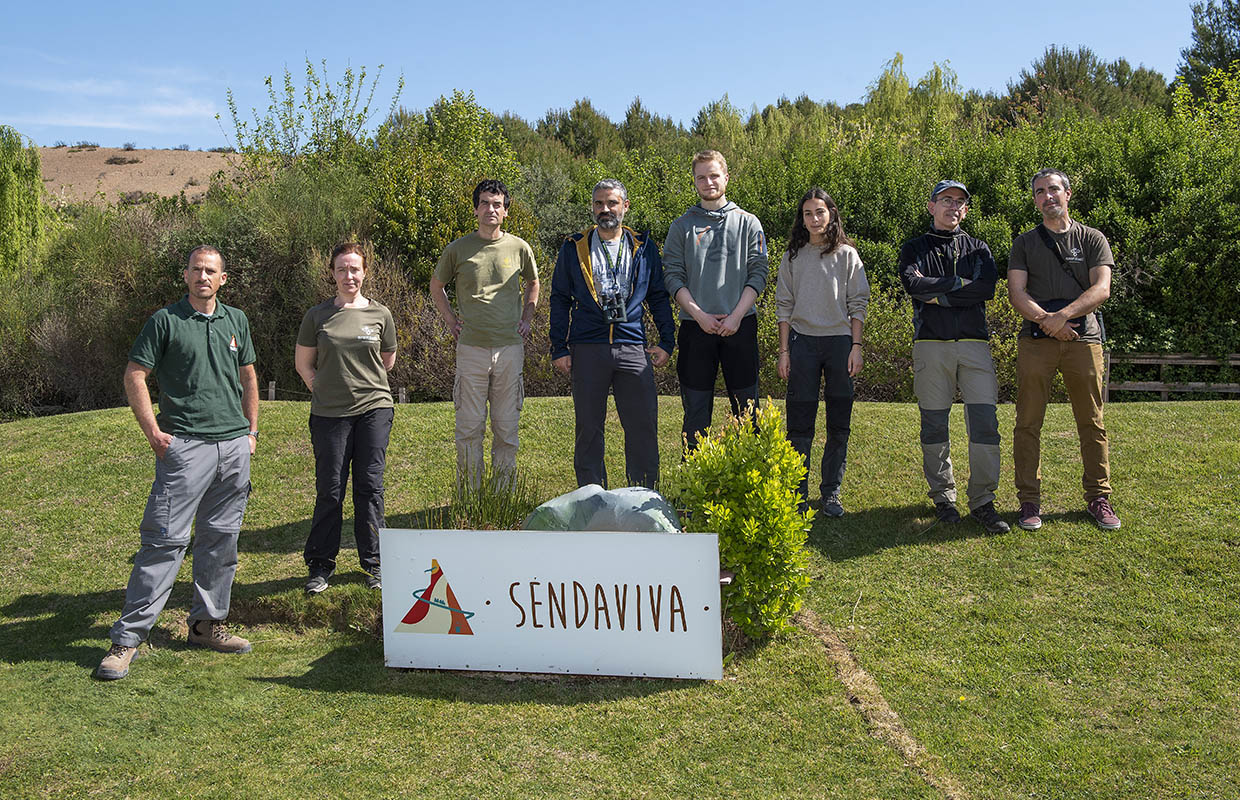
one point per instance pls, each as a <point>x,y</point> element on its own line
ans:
<point>316,584</point>
<point>989,519</point>
<point>213,634</point>
<point>1103,514</point>
<point>832,507</point>
<point>946,512</point>
<point>1029,517</point>
<point>374,579</point>
<point>115,665</point>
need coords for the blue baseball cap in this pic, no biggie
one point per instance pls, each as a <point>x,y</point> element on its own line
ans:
<point>943,186</point>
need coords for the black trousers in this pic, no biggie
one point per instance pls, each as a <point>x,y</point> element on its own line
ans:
<point>598,370</point>
<point>698,364</point>
<point>811,361</point>
<point>340,443</point>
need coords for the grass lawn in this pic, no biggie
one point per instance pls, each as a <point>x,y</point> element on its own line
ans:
<point>1067,663</point>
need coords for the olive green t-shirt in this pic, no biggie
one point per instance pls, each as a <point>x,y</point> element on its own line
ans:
<point>488,277</point>
<point>349,377</point>
<point>1082,248</point>
<point>197,361</point>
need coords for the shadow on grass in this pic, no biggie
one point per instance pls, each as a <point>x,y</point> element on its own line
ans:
<point>291,537</point>
<point>876,529</point>
<point>358,667</point>
<point>51,625</point>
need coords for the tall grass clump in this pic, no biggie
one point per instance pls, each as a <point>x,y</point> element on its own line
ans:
<point>497,501</point>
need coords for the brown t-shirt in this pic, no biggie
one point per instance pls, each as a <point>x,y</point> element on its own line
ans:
<point>1082,248</point>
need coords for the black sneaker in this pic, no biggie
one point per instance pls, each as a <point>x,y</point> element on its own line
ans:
<point>989,519</point>
<point>946,512</point>
<point>374,579</point>
<point>832,507</point>
<point>316,584</point>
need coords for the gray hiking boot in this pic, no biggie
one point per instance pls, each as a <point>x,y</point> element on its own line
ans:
<point>115,665</point>
<point>213,634</point>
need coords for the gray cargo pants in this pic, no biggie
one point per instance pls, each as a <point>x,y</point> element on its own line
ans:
<point>939,368</point>
<point>205,484</point>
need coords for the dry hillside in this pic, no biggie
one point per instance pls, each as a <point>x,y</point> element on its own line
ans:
<point>73,174</point>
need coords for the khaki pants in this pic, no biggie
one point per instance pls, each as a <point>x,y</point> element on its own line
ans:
<point>1080,363</point>
<point>487,375</point>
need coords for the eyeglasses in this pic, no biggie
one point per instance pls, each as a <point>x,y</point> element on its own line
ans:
<point>952,202</point>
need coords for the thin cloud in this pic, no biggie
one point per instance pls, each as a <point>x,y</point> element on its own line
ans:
<point>108,122</point>
<point>30,52</point>
<point>87,87</point>
<point>184,107</point>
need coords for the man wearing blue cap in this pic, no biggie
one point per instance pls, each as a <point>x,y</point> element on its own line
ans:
<point>950,276</point>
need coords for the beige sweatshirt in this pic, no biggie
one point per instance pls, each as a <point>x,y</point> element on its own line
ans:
<point>817,295</point>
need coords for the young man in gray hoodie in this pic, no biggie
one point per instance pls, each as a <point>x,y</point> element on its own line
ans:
<point>715,267</point>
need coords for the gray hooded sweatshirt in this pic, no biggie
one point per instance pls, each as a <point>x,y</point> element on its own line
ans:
<point>715,254</point>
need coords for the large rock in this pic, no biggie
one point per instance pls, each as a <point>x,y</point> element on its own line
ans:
<point>593,508</point>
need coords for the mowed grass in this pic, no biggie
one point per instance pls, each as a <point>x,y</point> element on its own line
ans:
<point>1064,663</point>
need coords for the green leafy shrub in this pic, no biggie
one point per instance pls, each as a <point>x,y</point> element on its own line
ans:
<point>741,483</point>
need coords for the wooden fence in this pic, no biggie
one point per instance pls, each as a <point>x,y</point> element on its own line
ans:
<point>1163,361</point>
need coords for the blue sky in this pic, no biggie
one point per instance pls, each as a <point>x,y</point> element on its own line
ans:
<point>157,73</point>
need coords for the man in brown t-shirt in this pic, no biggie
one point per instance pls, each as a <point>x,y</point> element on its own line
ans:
<point>1059,273</point>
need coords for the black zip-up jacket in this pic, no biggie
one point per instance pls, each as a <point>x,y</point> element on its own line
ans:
<point>931,268</point>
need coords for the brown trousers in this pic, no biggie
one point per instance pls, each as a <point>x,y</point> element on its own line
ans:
<point>1080,363</point>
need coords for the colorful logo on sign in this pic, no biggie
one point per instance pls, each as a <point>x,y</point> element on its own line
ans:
<point>435,609</point>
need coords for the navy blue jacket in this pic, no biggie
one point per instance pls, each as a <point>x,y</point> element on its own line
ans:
<point>931,267</point>
<point>577,317</point>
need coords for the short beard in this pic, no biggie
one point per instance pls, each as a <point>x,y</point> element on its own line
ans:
<point>608,222</point>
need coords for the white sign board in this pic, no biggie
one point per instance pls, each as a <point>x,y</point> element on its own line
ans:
<point>643,604</point>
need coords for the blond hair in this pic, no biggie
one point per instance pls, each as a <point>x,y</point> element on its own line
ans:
<point>703,156</point>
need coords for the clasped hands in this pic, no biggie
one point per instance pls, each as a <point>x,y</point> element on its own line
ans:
<point>1056,325</point>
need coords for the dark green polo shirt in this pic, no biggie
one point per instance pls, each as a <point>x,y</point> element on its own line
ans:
<point>197,361</point>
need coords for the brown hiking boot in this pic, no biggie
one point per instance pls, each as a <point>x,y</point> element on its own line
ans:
<point>213,634</point>
<point>115,665</point>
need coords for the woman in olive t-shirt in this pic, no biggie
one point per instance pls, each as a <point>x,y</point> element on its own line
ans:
<point>345,347</point>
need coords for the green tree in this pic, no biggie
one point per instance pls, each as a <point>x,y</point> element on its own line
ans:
<point>24,216</point>
<point>582,129</point>
<point>422,175</point>
<point>641,128</point>
<point>25,229</point>
<point>1216,42</point>
<point>1065,81</point>
<point>321,118</point>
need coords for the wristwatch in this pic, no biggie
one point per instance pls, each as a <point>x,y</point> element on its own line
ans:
<point>254,434</point>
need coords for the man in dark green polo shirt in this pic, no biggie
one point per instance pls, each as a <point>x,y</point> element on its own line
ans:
<point>200,352</point>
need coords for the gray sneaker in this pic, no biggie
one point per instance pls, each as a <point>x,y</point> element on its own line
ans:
<point>316,584</point>
<point>832,507</point>
<point>115,665</point>
<point>374,579</point>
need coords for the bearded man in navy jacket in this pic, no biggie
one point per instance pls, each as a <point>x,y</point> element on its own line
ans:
<point>605,278</point>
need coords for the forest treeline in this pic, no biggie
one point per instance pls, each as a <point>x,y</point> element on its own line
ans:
<point>1156,168</point>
